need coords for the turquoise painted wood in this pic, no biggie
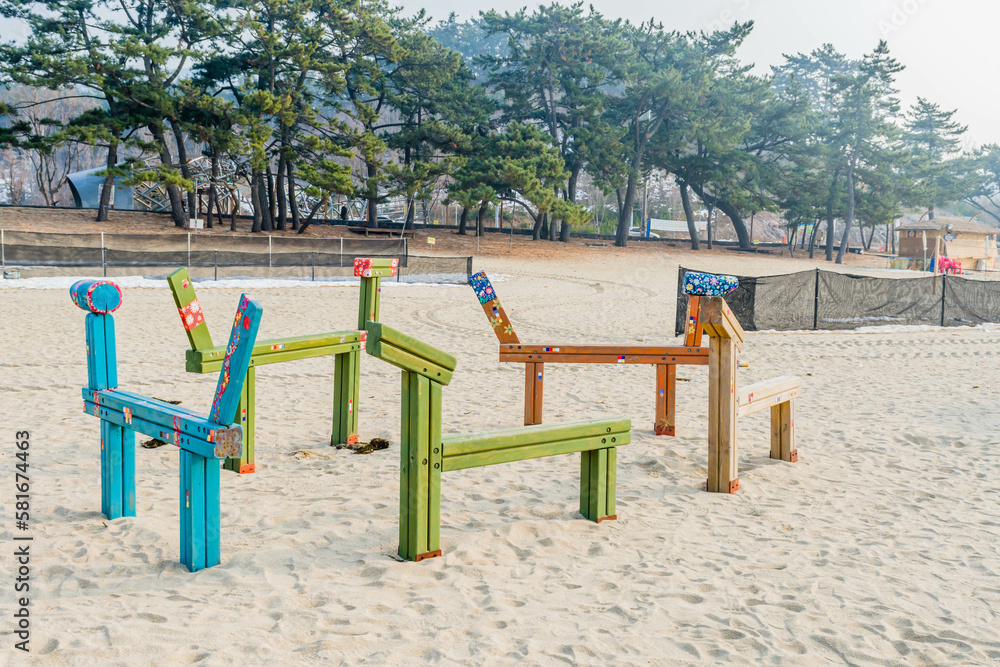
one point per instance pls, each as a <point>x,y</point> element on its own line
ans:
<point>234,368</point>
<point>223,448</point>
<point>203,440</point>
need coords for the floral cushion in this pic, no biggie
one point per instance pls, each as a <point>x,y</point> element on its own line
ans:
<point>709,284</point>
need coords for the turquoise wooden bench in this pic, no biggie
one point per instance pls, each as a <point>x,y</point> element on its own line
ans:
<point>204,440</point>
<point>425,454</point>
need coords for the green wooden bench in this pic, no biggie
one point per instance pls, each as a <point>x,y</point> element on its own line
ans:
<point>425,454</point>
<point>345,346</point>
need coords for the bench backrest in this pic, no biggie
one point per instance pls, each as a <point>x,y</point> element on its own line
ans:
<point>192,317</point>
<point>237,361</point>
<point>490,302</point>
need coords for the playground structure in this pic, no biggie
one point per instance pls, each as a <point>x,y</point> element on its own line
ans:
<point>425,454</point>
<point>202,439</point>
<point>727,402</point>
<point>535,356</point>
<point>345,346</point>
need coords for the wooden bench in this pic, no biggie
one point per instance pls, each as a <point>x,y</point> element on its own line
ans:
<point>779,395</point>
<point>202,439</point>
<point>382,231</point>
<point>344,346</point>
<point>535,356</point>
<point>727,401</point>
<point>425,454</point>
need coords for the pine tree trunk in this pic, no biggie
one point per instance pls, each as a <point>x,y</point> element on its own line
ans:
<point>255,203</point>
<point>479,219</point>
<point>109,183</point>
<point>812,240</point>
<point>373,200</point>
<point>173,192</point>
<point>552,228</point>
<point>689,215</point>
<point>293,202</point>
<point>212,189</point>
<point>279,190</point>
<point>192,196</point>
<point>463,220</point>
<point>564,231</point>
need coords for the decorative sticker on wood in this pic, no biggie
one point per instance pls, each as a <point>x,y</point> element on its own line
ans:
<point>191,315</point>
<point>482,287</point>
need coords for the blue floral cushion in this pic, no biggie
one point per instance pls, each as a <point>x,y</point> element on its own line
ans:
<point>709,284</point>
<point>482,286</point>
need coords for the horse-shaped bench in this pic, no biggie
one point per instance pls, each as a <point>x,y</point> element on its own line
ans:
<point>425,453</point>
<point>203,439</point>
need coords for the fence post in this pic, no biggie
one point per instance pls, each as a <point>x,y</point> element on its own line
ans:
<point>3,254</point>
<point>189,248</point>
<point>341,251</point>
<point>313,253</point>
<point>104,257</point>
<point>216,263</point>
<point>944,285</point>
<point>816,303</point>
<point>269,251</point>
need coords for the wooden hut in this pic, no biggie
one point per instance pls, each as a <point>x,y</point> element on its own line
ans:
<point>971,243</point>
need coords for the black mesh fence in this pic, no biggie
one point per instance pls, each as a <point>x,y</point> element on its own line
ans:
<point>152,254</point>
<point>827,300</point>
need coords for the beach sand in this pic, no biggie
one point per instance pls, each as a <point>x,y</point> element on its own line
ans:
<point>880,546</point>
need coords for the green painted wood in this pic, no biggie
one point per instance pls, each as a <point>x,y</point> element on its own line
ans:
<point>404,360</point>
<point>346,392</point>
<point>198,337</point>
<point>378,332</point>
<point>368,301</point>
<point>436,462</point>
<point>380,262</point>
<point>536,434</point>
<point>266,352</point>
<point>419,405</point>
<point>611,501</point>
<point>585,482</point>
<point>404,470</point>
<point>522,453</point>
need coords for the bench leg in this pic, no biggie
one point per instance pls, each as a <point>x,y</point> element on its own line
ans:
<point>346,390</point>
<point>368,306</point>
<point>200,511</point>
<point>783,432</point>
<point>534,375</point>
<point>598,483</point>
<point>666,393</point>
<point>723,475</point>
<point>117,470</point>
<point>245,416</point>
<point>420,469</point>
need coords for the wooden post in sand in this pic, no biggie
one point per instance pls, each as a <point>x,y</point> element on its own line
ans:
<point>725,341</point>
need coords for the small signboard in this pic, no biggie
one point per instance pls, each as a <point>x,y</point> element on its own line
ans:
<point>430,240</point>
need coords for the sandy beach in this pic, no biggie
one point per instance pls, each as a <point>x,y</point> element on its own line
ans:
<point>880,546</point>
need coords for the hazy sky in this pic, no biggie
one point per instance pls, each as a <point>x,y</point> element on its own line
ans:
<point>950,48</point>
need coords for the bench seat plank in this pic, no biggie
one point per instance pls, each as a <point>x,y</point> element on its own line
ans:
<point>533,435</point>
<point>763,395</point>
